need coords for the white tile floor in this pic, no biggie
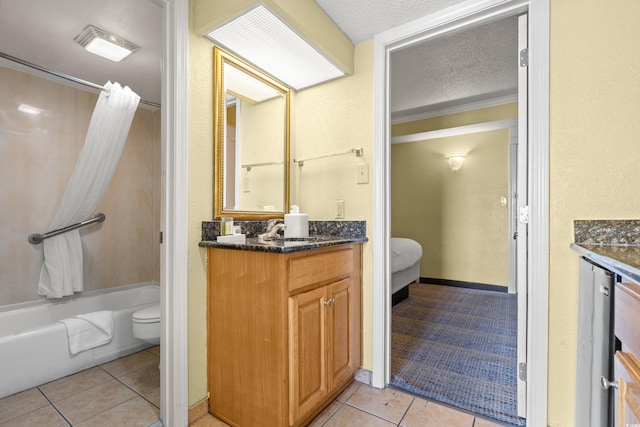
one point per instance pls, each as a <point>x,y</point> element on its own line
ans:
<point>124,392</point>
<point>362,405</point>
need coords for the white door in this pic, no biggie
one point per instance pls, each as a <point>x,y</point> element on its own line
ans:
<point>522,203</point>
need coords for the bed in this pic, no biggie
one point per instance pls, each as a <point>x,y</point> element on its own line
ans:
<point>405,266</point>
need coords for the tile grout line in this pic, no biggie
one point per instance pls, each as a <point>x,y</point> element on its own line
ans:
<point>407,411</point>
<point>129,387</point>
<point>367,412</point>
<point>98,413</point>
<point>332,415</point>
<point>55,408</point>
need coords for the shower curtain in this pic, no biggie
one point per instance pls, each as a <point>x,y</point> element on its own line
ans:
<point>62,272</point>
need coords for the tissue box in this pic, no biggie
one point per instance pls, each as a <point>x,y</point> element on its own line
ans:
<point>232,238</point>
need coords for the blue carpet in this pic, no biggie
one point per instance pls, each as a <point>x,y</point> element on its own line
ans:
<point>458,346</point>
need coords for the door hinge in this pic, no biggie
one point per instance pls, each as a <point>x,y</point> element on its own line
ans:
<point>524,214</point>
<point>522,371</point>
<point>524,57</point>
<point>161,237</point>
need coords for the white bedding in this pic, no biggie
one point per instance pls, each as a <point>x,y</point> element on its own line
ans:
<point>404,253</point>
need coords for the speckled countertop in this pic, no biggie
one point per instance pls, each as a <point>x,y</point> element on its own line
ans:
<point>613,244</point>
<point>321,234</point>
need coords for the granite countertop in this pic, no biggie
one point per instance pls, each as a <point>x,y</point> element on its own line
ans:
<point>612,244</point>
<point>322,234</point>
<point>282,245</point>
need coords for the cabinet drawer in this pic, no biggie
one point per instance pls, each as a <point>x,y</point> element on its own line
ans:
<point>319,267</point>
<point>627,316</point>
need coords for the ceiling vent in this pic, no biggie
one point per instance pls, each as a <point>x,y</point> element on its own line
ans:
<point>107,45</point>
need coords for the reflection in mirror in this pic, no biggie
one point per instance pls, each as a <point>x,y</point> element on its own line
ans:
<point>251,134</point>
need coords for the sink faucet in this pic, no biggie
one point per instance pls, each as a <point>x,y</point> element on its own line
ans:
<point>273,226</point>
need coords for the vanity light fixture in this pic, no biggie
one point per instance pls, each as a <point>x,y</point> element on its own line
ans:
<point>107,45</point>
<point>455,162</point>
<point>265,40</point>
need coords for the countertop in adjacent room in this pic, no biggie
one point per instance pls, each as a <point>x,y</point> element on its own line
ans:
<point>613,244</point>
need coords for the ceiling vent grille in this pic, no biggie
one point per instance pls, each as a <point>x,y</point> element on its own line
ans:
<point>90,33</point>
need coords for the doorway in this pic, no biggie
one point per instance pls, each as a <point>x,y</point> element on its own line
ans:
<point>455,19</point>
<point>454,338</point>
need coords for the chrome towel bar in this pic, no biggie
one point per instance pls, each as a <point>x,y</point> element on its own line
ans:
<point>36,238</point>
<point>357,151</point>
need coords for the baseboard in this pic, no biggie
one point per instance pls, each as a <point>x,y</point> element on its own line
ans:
<point>363,376</point>
<point>400,295</point>
<point>198,411</point>
<point>461,284</point>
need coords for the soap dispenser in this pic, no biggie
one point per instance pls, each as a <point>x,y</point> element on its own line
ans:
<point>296,224</point>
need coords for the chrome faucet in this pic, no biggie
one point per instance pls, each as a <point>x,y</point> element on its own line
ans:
<point>273,226</point>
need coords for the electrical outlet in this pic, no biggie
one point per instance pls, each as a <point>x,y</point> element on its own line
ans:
<point>339,209</point>
<point>363,173</point>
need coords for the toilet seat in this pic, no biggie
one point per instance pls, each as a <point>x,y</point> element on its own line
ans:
<point>146,324</point>
<point>149,314</point>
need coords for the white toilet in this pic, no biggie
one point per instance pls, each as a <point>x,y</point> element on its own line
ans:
<point>146,324</point>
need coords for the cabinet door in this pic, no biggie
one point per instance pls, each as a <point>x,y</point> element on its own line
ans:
<point>339,318</point>
<point>628,374</point>
<point>307,352</point>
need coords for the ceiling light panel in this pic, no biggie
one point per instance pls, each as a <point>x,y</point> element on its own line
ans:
<point>266,41</point>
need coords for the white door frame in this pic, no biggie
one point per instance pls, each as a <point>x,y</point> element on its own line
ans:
<point>174,391</point>
<point>453,18</point>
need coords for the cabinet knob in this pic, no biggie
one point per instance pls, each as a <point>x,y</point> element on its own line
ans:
<point>330,302</point>
<point>605,383</point>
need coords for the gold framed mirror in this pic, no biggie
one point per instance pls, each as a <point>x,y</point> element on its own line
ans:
<point>251,141</point>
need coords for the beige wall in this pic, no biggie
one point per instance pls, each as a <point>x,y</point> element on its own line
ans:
<point>317,120</point>
<point>594,126</point>
<point>37,157</point>
<point>594,153</point>
<point>262,134</point>
<point>337,116</point>
<point>464,118</point>
<point>455,216</point>
<point>200,205</point>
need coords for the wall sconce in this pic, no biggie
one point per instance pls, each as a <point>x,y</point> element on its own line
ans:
<point>455,161</point>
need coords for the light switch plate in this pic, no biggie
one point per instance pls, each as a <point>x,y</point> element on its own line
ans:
<point>363,173</point>
<point>339,209</point>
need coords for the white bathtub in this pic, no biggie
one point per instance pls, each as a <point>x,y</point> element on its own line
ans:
<point>34,348</point>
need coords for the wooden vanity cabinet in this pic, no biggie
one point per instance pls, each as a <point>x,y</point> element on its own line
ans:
<point>627,361</point>
<point>284,332</point>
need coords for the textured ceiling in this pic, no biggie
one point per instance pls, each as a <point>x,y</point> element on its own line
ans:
<point>362,19</point>
<point>446,71</point>
<point>470,66</point>
<point>475,65</point>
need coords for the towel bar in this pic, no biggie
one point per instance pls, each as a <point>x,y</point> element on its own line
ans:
<point>36,238</point>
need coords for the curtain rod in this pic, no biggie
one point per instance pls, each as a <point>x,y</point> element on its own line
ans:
<point>64,76</point>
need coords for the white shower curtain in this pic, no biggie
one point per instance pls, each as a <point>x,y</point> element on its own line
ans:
<point>62,270</point>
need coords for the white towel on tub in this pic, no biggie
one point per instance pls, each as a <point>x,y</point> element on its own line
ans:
<point>90,330</point>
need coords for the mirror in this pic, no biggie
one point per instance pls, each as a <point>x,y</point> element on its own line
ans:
<point>251,141</point>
